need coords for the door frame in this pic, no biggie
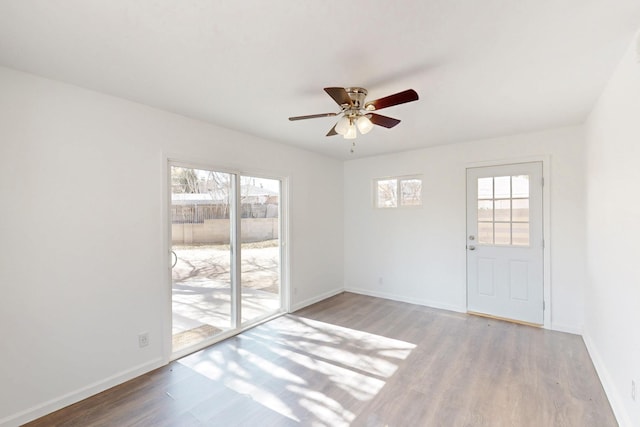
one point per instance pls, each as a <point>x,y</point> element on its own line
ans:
<point>169,160</point>
<point>546,224</point>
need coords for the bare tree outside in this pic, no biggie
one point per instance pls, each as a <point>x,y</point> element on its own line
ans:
<point>185,181</point>
<point>411,190</point>
<point>395,192</point>
<point>387,193</point>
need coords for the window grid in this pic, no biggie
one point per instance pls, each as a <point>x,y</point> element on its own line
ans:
<point>395,192</point>
<point>500,228</point>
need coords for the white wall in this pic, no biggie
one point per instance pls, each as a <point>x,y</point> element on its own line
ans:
<point>420,253</point>
<point>613,237</point>
<point>81,259</point>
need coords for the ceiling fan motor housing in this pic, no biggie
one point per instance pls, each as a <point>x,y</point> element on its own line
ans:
<point>357,95</point>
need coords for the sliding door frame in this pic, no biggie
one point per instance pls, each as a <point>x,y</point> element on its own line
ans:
<point>283,224</point>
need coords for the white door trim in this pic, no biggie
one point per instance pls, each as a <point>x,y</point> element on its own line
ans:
<point>546,221</point>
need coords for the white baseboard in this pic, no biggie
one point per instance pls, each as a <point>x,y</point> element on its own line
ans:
<point>566,328</point>
<point>417,301</point>
<point>614,397</point>
<point>318,298</point>
<point>78,395</point>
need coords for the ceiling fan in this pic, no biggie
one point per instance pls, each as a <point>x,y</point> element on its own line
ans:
<point>358,114</point>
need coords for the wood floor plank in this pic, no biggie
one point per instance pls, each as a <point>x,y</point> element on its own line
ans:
<point>364,361</point>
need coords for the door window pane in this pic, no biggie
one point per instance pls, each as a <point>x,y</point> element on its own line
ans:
<point>520,186</point>
<point>520,234</point>
<point>520,210</point>
<point>503,210</point>
<point>502,187</point>
<point>485,233</point>
<point>485,210</point>
<point>503,233</point>
<point>485,188</point>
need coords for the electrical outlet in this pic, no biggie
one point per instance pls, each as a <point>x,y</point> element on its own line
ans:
<point>633,390</point>
<point>143,339</point>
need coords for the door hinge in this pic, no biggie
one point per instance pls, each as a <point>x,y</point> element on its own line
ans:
<point>544,307</point>
<point>542,180</point>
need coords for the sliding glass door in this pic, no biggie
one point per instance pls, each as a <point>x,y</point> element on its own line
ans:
<point>220,286</point>
<point>260,253</point>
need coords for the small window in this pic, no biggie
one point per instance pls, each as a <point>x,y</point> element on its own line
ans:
<point>398,192</point>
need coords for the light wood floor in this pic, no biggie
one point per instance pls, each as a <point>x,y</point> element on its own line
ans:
<point>363,361</point>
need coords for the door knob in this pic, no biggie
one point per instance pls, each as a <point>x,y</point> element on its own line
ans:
<point>472,237</point>
<point>472,248</point>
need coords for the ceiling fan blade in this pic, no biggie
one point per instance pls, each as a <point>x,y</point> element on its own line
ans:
<point>312,116</point>
<point>384,121</point>
<point>339,95</point>
<point>332,131</point>
<point>391,100</point>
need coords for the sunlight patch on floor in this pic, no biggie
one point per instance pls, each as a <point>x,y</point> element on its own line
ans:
<point>273,363</point>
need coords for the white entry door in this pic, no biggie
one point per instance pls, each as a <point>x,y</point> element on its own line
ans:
<point>505,242</point>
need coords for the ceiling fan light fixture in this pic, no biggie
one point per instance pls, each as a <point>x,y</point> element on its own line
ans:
<point>351,132</point>
<point>343,125</point>
<point>364,124</point>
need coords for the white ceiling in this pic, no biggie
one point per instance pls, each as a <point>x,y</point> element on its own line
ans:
<point>482,68</point>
